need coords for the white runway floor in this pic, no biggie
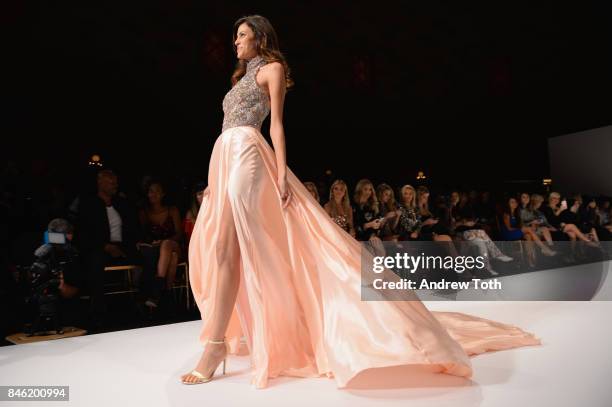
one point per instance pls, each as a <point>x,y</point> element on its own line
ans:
<point>141,367</point>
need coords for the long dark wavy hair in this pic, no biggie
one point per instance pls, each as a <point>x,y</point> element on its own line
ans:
<point>267,46</point>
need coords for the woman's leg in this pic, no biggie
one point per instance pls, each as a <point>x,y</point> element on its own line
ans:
<point>571,228</point>
<point>492,248</point>
<point>534,237</point>
<point>572,238</point>
<point>228,257</point>
<point>481,247</point>
<point>594,234</point>
<point>530,251</point>
<point>547,236</point>
<point>165,255</point>
<point>166,269</point>
<point>171,275</point>
<point>377,245</point>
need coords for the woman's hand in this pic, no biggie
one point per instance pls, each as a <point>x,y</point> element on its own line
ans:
<point>285,193</point>
<point>373,224</point>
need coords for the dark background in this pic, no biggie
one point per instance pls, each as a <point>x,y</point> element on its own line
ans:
<point>469,92</point>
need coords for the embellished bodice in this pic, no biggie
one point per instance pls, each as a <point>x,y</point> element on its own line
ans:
<point>246,104</point>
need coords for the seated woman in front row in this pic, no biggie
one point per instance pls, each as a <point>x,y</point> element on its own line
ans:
<point>390,210</point>
<point>339,206</point>
<point>512,229</point>
<point>163,234</point>
<point>368,221</point>
<point>556,213</point>
<point>467,229</point>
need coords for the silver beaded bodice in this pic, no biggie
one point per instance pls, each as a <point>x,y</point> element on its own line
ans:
<point>246,104</point>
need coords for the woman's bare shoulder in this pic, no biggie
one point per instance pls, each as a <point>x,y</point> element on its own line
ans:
<point>273,69</point>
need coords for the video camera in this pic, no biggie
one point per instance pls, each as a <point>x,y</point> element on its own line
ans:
<point>52,258</point>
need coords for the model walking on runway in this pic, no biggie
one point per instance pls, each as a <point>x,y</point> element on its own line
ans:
<point>268,264</point>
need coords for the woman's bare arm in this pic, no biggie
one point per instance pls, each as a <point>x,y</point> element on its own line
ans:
<point>273,78</point>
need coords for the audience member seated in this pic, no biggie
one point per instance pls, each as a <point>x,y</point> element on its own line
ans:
<point>557,216</point>
<point>513,229</point>
<point>575,214</point>
<point>314,191</point>
<point>163,236</point>
<point>604,210</point>
<point>197,196</point>
<point>431,229</point>
<point>409,223</point>
<point>467,229</point>
<point>485,210</point>
<point>590,218</point>
<point>339,206</point>
<point>541,220</point>
<point>389,210</point>
<point>461,207</point>
<point>532,219</point>
<point>368,221</point>
<point>106,234</point>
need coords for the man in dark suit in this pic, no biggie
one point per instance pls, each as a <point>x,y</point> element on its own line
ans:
<point>106,233</point>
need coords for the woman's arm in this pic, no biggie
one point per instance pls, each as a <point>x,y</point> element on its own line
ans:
<point>398,215</point>
<point>274,79</point>
<point>507,222</point>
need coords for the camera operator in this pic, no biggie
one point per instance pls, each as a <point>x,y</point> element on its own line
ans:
<point>55,277</point>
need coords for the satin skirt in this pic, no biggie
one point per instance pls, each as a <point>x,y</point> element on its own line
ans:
<point>299,301</point>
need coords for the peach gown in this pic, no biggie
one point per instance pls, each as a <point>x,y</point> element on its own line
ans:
<point>299,301</point>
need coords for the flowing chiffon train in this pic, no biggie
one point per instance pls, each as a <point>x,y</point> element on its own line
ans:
<point>299,300</point>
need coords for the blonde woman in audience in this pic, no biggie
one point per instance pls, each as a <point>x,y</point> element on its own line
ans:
<point>409,223</point>
<point>534,218</point>
<point>339,206</point>
<point>366,211</point>
<point>390,210</point>
<point>553,213</point>
<point>430,227</point>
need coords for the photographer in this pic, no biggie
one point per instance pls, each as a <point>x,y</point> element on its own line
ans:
<point>55,276</point>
